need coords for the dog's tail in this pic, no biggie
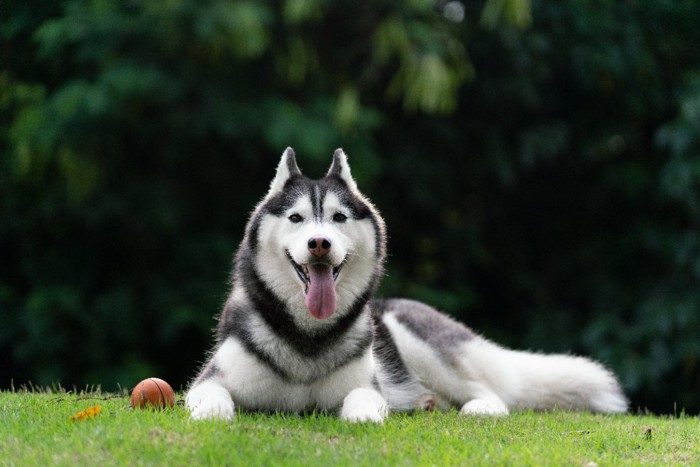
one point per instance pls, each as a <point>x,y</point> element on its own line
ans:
<point>526,380</point>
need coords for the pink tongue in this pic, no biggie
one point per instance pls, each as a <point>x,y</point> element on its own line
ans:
<point>320,298</point>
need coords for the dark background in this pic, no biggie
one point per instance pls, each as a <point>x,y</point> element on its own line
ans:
<point>538,165</point>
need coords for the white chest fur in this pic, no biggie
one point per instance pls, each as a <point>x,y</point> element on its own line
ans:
<point>254,386</point>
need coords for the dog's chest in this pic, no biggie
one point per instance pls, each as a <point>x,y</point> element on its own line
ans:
<point>311,361</point>
<point>255,386</point>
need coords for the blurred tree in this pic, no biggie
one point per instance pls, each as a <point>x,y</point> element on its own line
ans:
<point>537,163</point>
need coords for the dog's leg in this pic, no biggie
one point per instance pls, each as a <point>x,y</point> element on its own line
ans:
<point>485,406</point>
<point>209,400</point>
<point>364,405</point>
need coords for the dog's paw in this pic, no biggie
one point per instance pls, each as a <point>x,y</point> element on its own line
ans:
<point>209,400</point>
<point>484,407</point>
<point>364,405</point>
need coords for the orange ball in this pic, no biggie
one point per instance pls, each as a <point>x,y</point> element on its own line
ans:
<point>152,392</point>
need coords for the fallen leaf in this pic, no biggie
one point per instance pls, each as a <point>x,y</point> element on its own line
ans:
<point>86,414</point>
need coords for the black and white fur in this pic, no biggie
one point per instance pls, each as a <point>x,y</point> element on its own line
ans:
<point>300,330</point>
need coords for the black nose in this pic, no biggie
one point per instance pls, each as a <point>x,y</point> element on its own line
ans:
<point>319,246</point>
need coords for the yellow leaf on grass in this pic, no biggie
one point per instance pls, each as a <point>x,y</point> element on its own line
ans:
<point>86,414</point>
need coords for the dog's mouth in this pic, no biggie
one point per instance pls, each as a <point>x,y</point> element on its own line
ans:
<point>302,271</point>
<point>318,280</point>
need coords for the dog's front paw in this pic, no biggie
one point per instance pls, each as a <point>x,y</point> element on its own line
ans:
<point>364,405</point>
<point>484,407</point>
<point>209,400</point>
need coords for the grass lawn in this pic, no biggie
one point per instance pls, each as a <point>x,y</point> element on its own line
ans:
<point>35,429</point>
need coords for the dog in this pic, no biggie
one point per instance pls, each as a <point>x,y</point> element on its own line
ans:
<point>300,330</point>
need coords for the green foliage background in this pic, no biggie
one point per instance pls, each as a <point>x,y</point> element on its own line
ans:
<point>538,164</point>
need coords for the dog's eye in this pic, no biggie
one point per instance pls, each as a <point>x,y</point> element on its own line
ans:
<point>295,218</point>
<point>339,217</point>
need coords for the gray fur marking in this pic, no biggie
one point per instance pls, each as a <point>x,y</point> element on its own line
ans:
<point>440,331</point>
<point>318,212</point>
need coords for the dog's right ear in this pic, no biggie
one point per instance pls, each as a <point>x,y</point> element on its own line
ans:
<point>285,170</point>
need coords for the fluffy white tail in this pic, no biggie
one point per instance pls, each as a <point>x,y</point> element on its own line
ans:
<point>525,380</point>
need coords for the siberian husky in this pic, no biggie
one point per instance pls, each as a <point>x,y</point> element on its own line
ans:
<point>300,330</point>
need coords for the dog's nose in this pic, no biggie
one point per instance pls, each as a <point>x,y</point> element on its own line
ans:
<point>319,246</point>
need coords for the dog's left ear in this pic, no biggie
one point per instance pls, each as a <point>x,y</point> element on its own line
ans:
<point>340,168</point>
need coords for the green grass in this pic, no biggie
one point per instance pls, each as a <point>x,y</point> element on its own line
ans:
<point>35,430</point>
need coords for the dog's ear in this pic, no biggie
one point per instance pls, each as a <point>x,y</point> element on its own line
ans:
<point>340,168</point>
<point>286,169</point>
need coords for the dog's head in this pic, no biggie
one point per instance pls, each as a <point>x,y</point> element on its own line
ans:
<point>319,244</point>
